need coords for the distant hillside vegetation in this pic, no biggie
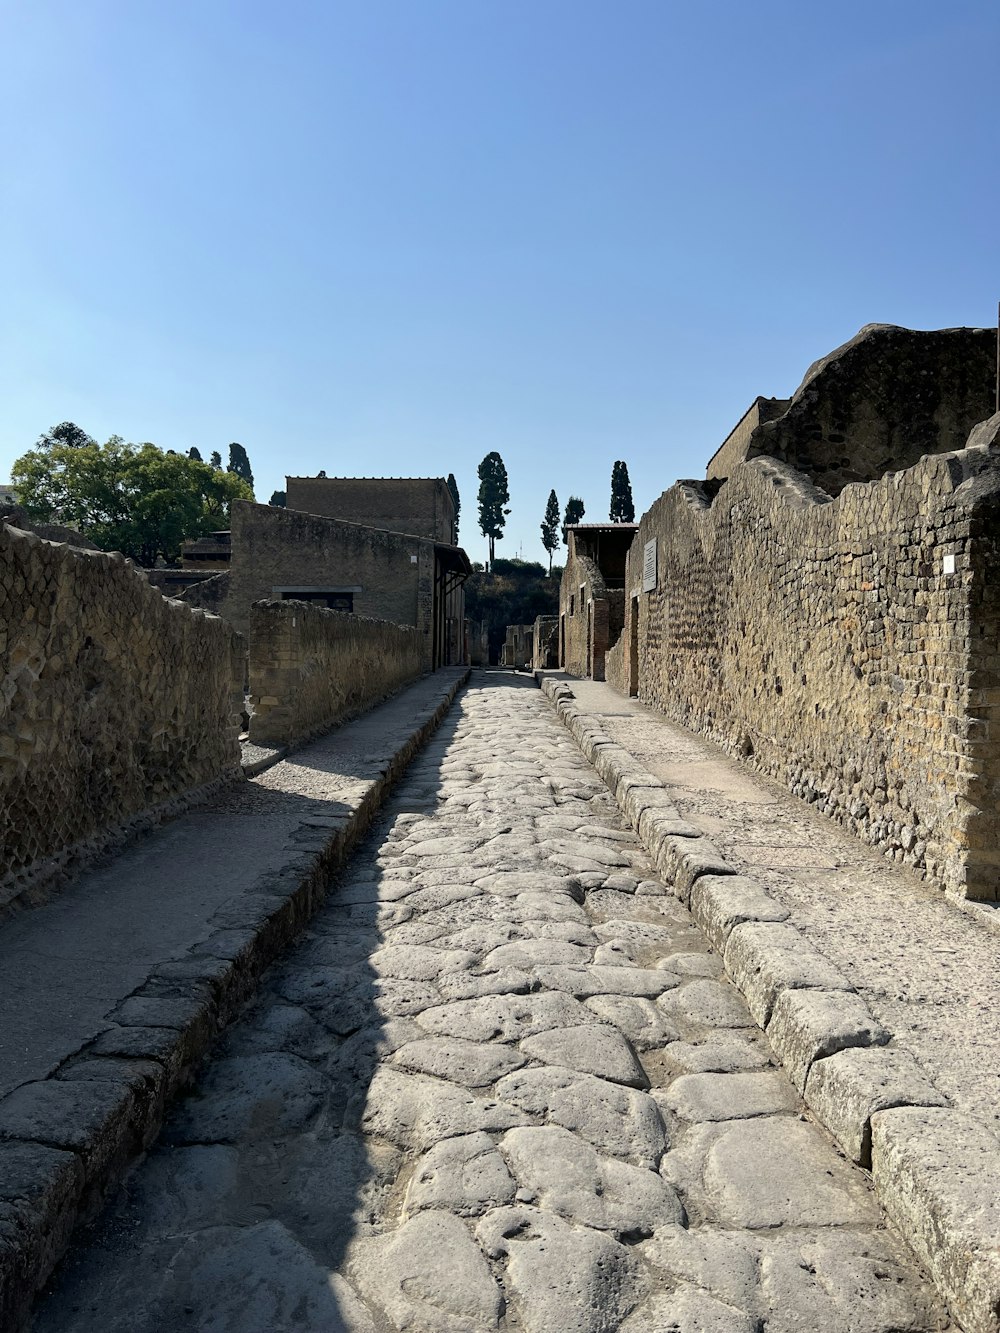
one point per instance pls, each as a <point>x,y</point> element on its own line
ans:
<point>514,592</point>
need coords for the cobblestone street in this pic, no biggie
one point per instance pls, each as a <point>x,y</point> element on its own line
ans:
<point>500,1083</point>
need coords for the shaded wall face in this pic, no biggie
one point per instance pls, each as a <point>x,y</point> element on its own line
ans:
<point>881,402</point>
<point>392,576</point>
<point>421,507</point>
<point>831,644</point>
<point>312,668</point>
<point>115,701</point>
<point>583,612</point>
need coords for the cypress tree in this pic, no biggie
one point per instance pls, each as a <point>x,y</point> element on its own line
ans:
<point>622,508</point>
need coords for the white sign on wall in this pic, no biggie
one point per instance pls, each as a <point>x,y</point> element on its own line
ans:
<point>649,566</point>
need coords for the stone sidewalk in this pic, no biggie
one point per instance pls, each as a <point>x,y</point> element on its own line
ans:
<point>925,966</point>
<point>502,1083</point>
<point>111,991</point>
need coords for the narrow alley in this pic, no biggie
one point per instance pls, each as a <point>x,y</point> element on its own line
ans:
<point>499,1083</point>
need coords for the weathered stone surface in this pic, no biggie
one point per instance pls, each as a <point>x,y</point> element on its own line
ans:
<point>414,962</point>
<point>594,1049</point>
<point>604,980</point>
<point>764,959</point>
<point>641,1020</point>
<point>566,1176</point>
<point>683,860</point>
<point>689,1311</point>
<point>937,1174</point>
<point>722,1263</point>
<point>504,1017</point>
<point>837,1280</point>
<point>706,1003</point>
<point>809,1024</point>
<point>720,902</point>
<point>617,1120</point>
<point>428,1274</point>
<point>472,1063</point>
<point>700,1097</point>
<point>464,1175</point>
<point>775,1171</point>
<point>845,1089</point>
<point>730,1053</point>
<point>564,1278</point>
<point>416,1112</point>
<point>249,1096</point>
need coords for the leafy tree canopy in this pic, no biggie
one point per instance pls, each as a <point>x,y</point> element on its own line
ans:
<point>279,499</point>
<point>622,508</point>
<point>67,433</point>
<point>137,499</point>
<point>195,454</point>
<point>239,464</point>
<point>493,498</point>
<point>550,526</point>
<point>216,458</point>
<point>574,513</point>
<point>452,485</point>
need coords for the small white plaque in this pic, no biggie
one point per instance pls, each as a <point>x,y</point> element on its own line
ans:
<point>948,564</point>
<point>649,566</point>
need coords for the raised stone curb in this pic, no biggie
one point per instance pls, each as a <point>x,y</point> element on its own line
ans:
<point>67,1140</point>
<point>936,1172</point>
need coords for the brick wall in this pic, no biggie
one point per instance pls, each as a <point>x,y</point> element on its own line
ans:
<point>114,703</point>
<point>311,668</point>
<point>829,643</point>
<point>421,506</point>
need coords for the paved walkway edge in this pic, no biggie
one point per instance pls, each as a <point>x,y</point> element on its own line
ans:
<point>67,1140</point>
<point>936,1172</point>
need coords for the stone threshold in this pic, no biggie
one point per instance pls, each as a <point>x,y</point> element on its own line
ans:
<point>936,1171</point>
<point>68,1138</point>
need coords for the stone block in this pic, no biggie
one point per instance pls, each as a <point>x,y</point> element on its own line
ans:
<point>937,1174</point>
<point>846,1089</point>
<point>766,958</point>
<point>721,902</point>
<point>683,860</point>
<point>809,1024</point>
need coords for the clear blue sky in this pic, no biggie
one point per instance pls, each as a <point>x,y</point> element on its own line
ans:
<point>385,237</point>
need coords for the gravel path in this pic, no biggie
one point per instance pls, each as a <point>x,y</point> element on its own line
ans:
<point>500,1084</point>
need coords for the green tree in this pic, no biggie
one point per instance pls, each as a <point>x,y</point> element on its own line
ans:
<point>550,527</point>
<point>137,499</point>
<point>239,464</point>
<point>216,459</point>
<point>67,433</point>
<point>452,485</point>
<point>279,499</point>
<point>622,508</point>
<point>493,497</point>
<point>195,454</point>
<point>574,513</point>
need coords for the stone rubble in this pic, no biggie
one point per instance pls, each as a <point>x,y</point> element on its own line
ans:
<point>502,1084</point>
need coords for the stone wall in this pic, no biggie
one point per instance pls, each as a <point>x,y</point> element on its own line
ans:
<point>419,505</point>
<point>115,704</point>
<point>546,643</point>
<point>848,647</point>
<point>879,403</point>
<point>734,449</point>
<point>391,576</point>
<point>518,647</point>
<point>311,668</point>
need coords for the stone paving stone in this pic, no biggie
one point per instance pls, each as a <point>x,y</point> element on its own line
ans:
<point>594,1049</point>
<point>428,1274</point>
<point>500,1085</point>
<point>568,1177</point>
<point>563,1278</point>
<point>464,1175</point>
